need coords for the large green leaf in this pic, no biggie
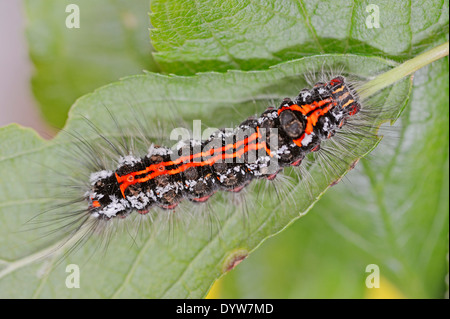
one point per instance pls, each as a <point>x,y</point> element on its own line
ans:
<point>214,35</point>
<point>392,211</point>
<point>332,249</point>
<point>255,34</point>
<point>112,42</point>
<point>157,266</point>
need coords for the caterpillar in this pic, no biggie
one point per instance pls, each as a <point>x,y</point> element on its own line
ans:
<point>260,147</point>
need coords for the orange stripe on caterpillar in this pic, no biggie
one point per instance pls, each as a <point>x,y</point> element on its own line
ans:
<point>126,180</point>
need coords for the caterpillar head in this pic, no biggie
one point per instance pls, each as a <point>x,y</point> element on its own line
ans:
<point>345,95</point>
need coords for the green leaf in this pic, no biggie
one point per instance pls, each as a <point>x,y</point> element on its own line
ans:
<point>392,211</point>
<point>214,35</point>
<point>324,256</point>
<point>253,35</point>
<point>112,42</point>
<point>157,265</point>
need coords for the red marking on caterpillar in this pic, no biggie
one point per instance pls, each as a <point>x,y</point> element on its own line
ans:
<point>201,199</point>
<point>297,163</point>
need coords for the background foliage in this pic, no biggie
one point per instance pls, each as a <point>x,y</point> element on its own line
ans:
<point>391,211</point>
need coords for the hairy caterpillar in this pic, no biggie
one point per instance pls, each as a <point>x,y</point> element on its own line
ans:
<point>193,170</point>
<point>124,126</point>
<point>224,162</point>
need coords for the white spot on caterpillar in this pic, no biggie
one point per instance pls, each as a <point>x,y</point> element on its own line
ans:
<point>272,115</point>
<point>191,183</point>
<point>151,195</point>
<point>139,202</point>
<point>160,191</point>
<point>152,150</point>
<point>322,90</point>
<point>95,177</point>
<point>222,178</point>
<point>307,139</point>
<point>338,116</point>
<point>326,125</point>
<point>196,143</point>
<point>128,160</point>
<point>305,94</point>
<point>94,195</point>
<point>114,207</point>
<point>283,150</point>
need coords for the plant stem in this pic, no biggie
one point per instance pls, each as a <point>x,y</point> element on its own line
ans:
<point>407,68</point>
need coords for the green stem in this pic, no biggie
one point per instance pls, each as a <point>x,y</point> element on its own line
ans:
<point>407,68</point>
